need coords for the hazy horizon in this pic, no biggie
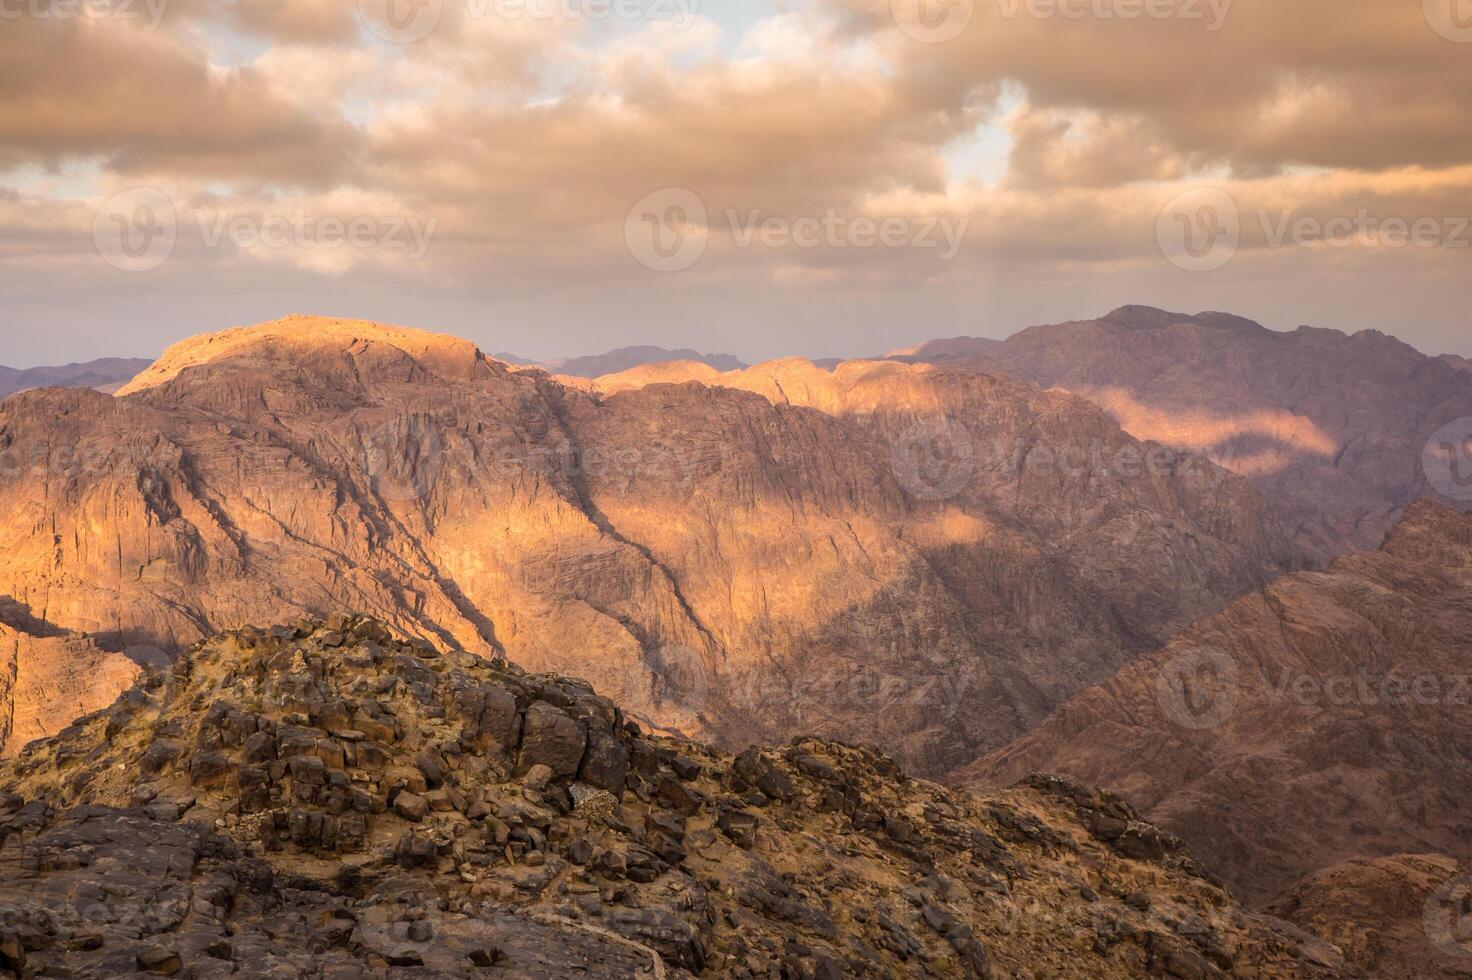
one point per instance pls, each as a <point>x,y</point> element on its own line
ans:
<point>813,177</point>
<point>491,342</point>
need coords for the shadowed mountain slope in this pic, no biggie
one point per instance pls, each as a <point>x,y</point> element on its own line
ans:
<point>1332,426</point>
<point>1321,720</point>
<point>724,562</point>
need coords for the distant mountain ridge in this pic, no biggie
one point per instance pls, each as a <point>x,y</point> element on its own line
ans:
<point>1332,426</point>
<point>102,374</point>
<point>623,359</point>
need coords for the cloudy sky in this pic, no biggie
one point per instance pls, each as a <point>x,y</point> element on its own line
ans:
<point>764,177</point>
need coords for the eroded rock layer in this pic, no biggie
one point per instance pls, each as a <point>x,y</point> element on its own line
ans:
<point>737,564</point>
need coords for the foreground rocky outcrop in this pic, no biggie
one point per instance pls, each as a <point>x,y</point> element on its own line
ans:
<point>1332,426</point>
<point>324,800</point>
<point>806,556</point>
<point>1320,721</point>
<point>1398,918</point>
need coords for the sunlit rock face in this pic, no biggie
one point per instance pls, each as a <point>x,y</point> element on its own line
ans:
<point>48,676</point>
<point>1343,694</point>
<point>738,564</point>
<point>1333,427</point>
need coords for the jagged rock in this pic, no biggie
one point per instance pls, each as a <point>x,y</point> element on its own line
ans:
<point>530,876</point>
<point>411,806</point>
<point>606,764</point>
<point>550,737</point>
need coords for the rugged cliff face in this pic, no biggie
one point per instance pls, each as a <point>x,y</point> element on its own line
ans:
<point>1321,720</point>
<point>928,560</point>
<point>323,799</point>
<point>1333,427</point>
<point>48,676</point>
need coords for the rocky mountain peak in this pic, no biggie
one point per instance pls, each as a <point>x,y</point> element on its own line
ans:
<point>325,799</point>
<point>1145,318</point>
<point>293,337</point>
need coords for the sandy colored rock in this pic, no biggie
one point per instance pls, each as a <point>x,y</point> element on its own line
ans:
<point>1377,909</point>
<point>738,565</point>
<point>45,680</point>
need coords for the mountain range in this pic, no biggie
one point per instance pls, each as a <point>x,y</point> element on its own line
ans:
<point>1331,426</point>
<point>1344,693</point>
<point>725,562</point>
<point>623,359</point>
<point>1218,569</point>
<point>107,374</point>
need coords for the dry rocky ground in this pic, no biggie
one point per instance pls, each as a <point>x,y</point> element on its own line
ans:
<point>323,800</point>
